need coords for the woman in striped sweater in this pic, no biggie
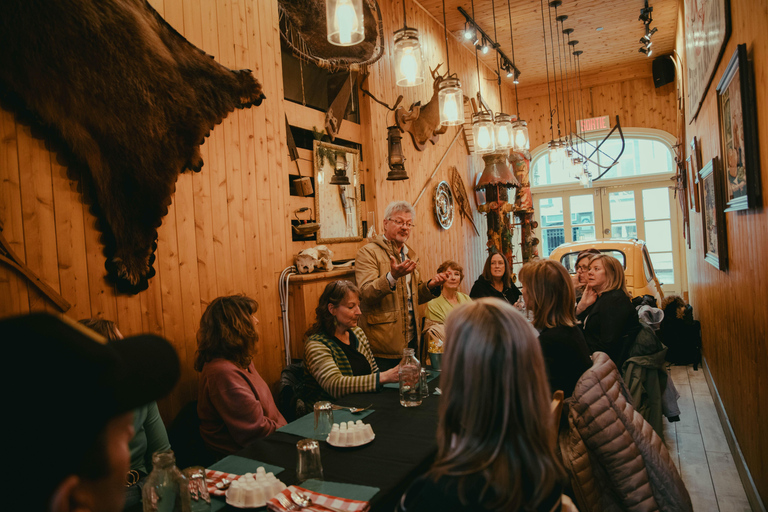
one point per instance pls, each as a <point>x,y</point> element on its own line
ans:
<point>337,354</point>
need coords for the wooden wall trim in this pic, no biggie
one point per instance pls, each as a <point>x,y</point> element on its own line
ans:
<point>738,456</point>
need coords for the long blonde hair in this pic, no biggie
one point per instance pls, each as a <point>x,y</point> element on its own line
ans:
<point>494,417</point>
<point>614,274</point>
<point>549,292</point>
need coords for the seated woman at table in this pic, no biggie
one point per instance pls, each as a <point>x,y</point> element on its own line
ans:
<point>234,403</point>
<point>496,280</point>
<point>495,438</point>
<point>150,435</point>
<point>609,319</point>
<point>548,294</point>
<point>450,296</point>
<point>337,355</point>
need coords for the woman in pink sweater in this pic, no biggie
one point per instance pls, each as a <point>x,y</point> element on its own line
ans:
<point>234,403</point>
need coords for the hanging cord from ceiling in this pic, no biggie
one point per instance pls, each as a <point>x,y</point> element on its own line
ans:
<point>554,68</point>
<point>546,66</point>
<point>565,83</point>
<point>514,65</point>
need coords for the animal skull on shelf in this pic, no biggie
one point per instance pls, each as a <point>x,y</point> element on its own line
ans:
<point>423,121</point>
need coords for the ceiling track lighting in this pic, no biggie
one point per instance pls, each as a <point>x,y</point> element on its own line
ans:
<point>646,17</point>
<point>474,34</point>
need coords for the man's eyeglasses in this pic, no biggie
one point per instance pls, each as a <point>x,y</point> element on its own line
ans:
<point>400,223</point>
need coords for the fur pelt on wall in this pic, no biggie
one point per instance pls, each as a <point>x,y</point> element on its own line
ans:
<point>126,100</point>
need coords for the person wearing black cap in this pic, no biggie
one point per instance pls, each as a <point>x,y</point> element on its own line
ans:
<point>70,395</point>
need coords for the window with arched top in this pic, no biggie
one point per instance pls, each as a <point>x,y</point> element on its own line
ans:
<point>647,152</point>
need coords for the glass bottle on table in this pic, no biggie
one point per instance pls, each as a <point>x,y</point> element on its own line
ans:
<point>410,376</point>
<point>166,489</point>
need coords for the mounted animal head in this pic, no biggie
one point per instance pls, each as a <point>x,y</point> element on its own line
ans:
<point>423,122</point>
<point>126,101</point>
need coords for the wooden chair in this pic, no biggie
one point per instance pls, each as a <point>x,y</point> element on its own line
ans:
<point>557,410</point>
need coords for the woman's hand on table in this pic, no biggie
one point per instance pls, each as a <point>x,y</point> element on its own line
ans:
<point>390,376</point>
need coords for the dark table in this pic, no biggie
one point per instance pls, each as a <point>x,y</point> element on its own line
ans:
<point>404,447</point>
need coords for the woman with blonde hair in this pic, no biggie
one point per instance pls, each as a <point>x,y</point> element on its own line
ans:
<point>450,296</point>
<point>495,439</point>
<point>609,319</point>
<point>549,295</point>
<point>234,403</point>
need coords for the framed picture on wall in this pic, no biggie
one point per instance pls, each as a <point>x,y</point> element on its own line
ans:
<point>738,134</point>
<point>707,29</point>
<point>713,216</point>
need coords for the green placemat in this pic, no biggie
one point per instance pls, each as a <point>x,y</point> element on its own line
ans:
<point>341,490</point>
<point>238,466</point>
<point>431,375</point>
<point>305,426</point>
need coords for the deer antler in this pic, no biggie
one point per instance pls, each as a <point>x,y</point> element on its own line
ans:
<point>434,72</point>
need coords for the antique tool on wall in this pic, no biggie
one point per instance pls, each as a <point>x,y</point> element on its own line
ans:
<point>11,259</point>
<point>438,165</point>
<point>338,108</point>
<point>462,200</point>
<point>303,184</point>
<point>305,227</point>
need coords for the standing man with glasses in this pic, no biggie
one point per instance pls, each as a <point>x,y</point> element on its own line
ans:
<point>391,288</point>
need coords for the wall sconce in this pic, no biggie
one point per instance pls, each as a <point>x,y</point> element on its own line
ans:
<point>504,134</point>
<point>451,102</point>
<point>344,19</point>
<point>395,156</point>
<point>340,170</point>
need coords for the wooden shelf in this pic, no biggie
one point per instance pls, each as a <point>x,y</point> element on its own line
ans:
<point>318,276</point>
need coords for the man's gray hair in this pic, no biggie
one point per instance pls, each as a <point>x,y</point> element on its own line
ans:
<point>397,207</point>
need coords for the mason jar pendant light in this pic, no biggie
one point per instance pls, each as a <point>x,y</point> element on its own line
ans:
<point>483,132</point>
<point>409,61</point>
<point>504,133</point>
<point>521,141</point>
<point>344,20</point>
<point>450,97</point>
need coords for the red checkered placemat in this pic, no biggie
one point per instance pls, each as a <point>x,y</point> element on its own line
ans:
<point>212,477</point>
<point>319,502</point>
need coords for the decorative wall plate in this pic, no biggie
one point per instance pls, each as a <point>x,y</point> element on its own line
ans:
<point>444,204</point>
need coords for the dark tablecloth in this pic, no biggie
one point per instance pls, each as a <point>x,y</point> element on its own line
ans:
<point>404,447</point>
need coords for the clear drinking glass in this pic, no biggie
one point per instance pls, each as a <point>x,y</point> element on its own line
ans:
<point>198,489</point>
<point>309,464</point>
<point>410,373</point>
<point>323,420</point>
<point>166,489</point>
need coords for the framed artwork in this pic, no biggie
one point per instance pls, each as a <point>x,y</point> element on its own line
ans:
<point>713,216</point>
<point>738,134</point>
<point>337,207</point>
<point>707,29</point>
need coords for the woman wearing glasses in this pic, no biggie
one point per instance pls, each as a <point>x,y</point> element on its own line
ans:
<point>496,280</point>
<point>337,354</point>
<point>582,268</point>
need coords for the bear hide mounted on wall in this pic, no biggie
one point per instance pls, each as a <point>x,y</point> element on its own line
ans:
<point>125,101</point>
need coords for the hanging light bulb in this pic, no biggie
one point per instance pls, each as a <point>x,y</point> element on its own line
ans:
<point>344,20</point>
<point>409,62</point>
<point>504,133</point>
<point>451,102</point>
<point>520,136</point>
<point>483,132</point>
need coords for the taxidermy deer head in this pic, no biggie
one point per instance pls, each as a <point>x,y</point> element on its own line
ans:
<point>126,100</point>
<point>423,122</point>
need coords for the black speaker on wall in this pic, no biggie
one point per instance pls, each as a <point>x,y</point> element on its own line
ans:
<point>663,70</point>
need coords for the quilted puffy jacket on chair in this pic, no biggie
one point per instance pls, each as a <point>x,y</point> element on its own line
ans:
<point>614,458</point>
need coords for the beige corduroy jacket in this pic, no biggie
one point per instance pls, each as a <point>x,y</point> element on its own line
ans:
<point>385,312</point>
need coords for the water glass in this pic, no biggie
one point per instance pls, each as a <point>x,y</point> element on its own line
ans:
<point>198,489</point>
<point>323,420</point>
<point>309,464</point>
<point>423,385</point>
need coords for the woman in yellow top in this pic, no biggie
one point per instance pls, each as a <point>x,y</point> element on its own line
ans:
<point>450,296</point>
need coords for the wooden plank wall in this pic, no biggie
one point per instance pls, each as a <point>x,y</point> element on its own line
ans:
<point>626,92</point>
<point>730,304</point>
<point>228,228</point>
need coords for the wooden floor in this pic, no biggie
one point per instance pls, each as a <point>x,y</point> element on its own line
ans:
<point>698,447</point>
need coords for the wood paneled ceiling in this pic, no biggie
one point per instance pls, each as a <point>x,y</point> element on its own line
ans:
<point>608,31</point>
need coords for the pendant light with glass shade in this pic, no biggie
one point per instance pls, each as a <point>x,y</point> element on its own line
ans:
<point>520,140</point>
<point>502,122</point>
<point>409,60</point>
<point>344,19</point>
<point>483,131</point>
<point>450,97</point>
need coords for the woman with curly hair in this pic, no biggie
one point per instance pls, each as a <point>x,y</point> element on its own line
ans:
<point>234,403</point>
<point>495,439</point>
<point>337,354</point>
